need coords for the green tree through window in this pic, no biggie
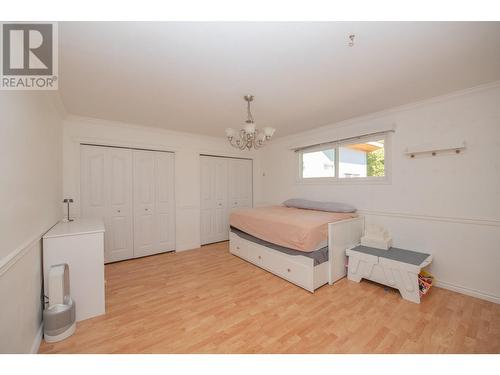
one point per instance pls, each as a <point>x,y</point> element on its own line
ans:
<point>375,163</point>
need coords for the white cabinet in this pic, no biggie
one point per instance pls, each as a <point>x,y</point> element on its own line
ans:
<point>133,192</point>
<point>80,244</point>
<point>226,184</point>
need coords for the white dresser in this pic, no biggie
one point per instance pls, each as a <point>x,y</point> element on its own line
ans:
<point>80,244</point>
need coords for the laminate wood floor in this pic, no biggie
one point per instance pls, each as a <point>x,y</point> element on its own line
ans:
<point>209,301</point>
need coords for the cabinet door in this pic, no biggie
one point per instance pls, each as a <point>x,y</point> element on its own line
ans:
<point>106,193</point>
<point>144,203</point>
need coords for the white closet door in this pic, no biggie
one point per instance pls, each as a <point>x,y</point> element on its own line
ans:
<point>165,203</point>
<point>245,182</point>
<point>240,183</point>
<point>207,186</point>
<point>226,184</point>
<point>144,202</point>
<point>94,184</point>
<point>153,203</point>
<point>214,217</point>
<point>120,213</point>
<point>106,192</point>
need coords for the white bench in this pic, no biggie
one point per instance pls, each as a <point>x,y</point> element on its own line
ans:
<point>395,267</point>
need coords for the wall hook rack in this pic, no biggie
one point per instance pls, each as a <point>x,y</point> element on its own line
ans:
<point>456,149</point>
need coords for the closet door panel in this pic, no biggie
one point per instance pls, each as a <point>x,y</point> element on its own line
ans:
<point>221,230</point>
<point>154,205</point>
<point>106,193</point>
<point>244,195</point>
<point>207,182</point>
<point>240,183</point>
<point>144,199</point>
<point>165,204</point>
<point>221,224</point>
<point>120,213</point>
<point>220,183</point>
<point>233,185</point>
<point>93,182</point>
<point>207,199</point>
<point>214,203</point>
<point>207,227</point>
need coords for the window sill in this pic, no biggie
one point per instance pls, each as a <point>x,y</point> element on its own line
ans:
<point>344,181</point>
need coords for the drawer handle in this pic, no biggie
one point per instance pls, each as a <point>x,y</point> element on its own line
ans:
<point>289,270</point>
<point>238,247</point>
<point>118,211</point>
<point>260,257</point>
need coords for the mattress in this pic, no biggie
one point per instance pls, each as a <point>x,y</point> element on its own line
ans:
<point>318,256</point>
<point>292,228</point>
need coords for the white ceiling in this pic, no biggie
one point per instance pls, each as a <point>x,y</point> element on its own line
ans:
<point>192,76</point>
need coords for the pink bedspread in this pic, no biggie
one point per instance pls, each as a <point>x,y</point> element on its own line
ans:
<point>298,229</point>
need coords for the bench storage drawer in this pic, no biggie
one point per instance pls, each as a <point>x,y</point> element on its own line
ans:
<point>396,268</point>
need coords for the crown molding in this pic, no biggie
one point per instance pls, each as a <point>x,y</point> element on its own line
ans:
<point>387,112</point>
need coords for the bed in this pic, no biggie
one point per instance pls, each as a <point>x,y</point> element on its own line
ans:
<point>303,246</point>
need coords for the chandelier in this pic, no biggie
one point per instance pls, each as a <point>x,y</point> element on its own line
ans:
<point>249,137</point>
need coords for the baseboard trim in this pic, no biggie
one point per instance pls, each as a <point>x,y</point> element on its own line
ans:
<point>187,247</point>
<point>467,291</point>
<point>38,340</point>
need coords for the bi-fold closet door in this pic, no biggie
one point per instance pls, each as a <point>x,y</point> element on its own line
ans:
<point>226,184</point>
<point>133,192</point>
<point>154,227</point>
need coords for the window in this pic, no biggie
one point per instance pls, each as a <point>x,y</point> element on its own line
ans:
<point>363,159</point>
<point>317,164</point>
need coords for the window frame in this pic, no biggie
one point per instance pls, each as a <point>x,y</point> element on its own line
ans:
<point>386,179</point>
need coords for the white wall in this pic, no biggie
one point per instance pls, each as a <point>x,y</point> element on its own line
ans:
<point>30,197</point>
<point>187,148</point>
<point>447,205</point>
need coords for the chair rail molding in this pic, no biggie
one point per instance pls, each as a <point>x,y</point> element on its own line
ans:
<point>450,219</point>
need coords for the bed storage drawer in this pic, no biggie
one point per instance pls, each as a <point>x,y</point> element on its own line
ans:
<point>298,271</point>
<point>289,270</point>
<point>255,254</point>
<point>237,247</point>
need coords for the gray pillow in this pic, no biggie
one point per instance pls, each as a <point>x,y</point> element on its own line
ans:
<point>319,206</point>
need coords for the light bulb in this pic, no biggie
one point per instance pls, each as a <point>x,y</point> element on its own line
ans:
<point>268,131</point>
<point>250,128</point>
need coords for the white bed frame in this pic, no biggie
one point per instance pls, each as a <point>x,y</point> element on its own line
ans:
<point>298,269</point>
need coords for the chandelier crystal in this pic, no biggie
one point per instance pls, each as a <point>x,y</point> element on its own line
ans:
<point>249,136</point>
